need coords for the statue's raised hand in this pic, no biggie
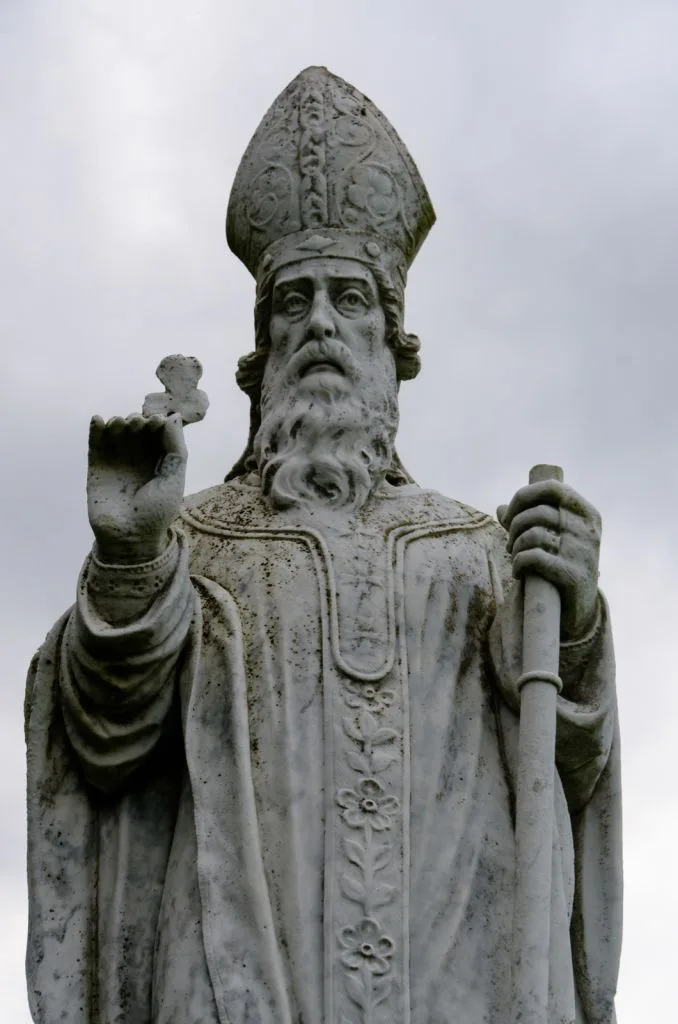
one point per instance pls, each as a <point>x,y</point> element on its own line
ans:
<point>135,484</point>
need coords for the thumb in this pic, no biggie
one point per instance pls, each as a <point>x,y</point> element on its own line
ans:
<point>173,437</point>
<point>501,515</point>
<point>171,465</point>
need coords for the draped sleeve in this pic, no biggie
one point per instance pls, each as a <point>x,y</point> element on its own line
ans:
<point>121,649</point>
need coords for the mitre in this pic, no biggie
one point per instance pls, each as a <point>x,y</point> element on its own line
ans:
<point>326,174</point>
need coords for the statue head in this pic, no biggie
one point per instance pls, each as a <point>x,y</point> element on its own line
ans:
<point>327,211</point>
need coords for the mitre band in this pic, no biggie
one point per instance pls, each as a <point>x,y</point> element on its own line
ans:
<point>338,243</point>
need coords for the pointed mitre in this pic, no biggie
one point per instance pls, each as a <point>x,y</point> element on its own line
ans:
<point>326,174</point>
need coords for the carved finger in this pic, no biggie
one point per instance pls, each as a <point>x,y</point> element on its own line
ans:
<point>540,515</point>
<point>115,426</point>
<point>537,537</point>
<point>173,436</point>
<point>545,564</point>
<point>96,433</point>
<point>135,423</point>
<point>155,422</point>
<point>548,492</point>
<point>584,528</point>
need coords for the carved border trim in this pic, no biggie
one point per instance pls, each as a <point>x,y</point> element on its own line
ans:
<point>394,535</point>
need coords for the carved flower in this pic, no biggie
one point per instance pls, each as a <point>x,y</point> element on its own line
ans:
<point>351,131</point>
<point>367,807</point>
<point>365,944</point>
<point>269,190</point>
<point>373,190</point>
<point>361,696</point>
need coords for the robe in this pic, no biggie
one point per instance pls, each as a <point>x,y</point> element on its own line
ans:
<point>271,778</point>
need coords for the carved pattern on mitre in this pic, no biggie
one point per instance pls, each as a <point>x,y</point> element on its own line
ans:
<point>324,157</point>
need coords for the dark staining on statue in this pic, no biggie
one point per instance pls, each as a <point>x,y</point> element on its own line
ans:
<point>297,691</point>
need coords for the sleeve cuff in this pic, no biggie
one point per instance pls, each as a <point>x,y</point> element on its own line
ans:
<point>575,656</point>
<point>588,638</point>
<point>120,593</point>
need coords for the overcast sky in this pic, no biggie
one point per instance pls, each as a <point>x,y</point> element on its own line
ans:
<point>546,299</point>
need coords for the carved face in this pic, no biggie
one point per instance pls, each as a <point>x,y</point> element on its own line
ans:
<point>326,319</point>
<point>329,398</point>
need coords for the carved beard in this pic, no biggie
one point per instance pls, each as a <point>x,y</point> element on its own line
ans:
<point>326,439</point>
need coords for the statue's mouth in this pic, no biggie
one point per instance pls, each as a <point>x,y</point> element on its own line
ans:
<point>326,356</point>
<point>323,366</point>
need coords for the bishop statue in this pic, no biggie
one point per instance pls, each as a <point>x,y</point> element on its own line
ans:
<point>272,747</point>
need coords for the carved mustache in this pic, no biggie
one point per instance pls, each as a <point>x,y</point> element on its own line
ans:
<point>327,350</point>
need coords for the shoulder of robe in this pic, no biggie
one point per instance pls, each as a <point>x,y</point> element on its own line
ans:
<point>240,505</point>
<point>236,504</point>
<point>429,506</point>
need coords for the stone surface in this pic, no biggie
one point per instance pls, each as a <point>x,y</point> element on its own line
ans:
<point>180,375</point>
<point>273,747</point>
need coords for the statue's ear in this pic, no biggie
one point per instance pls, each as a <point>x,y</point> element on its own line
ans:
<point>250,372</point>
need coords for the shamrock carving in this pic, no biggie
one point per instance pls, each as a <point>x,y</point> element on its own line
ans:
<point>180,375</point>
<point>374,191</point>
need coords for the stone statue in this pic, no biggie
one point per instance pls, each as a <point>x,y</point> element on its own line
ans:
<point>272,748</point>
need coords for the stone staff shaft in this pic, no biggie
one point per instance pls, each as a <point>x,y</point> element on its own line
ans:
<point>539,686</point>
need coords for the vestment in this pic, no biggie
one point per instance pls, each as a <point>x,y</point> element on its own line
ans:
<point>307,747</point>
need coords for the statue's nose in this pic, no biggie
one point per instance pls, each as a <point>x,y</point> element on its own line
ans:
<point>320,320</point>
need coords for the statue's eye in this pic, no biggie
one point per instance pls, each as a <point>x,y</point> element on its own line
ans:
<point>351,301</point>
<point>294,304</point>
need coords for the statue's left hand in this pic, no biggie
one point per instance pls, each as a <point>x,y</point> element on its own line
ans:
<point>555,533</point>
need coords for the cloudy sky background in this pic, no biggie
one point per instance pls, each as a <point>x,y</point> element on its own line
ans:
<point>546,299</point>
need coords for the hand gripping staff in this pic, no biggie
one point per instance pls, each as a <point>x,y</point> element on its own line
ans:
<point>539,686</point>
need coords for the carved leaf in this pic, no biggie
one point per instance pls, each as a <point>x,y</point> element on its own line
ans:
<point>384,736</point>
<point>353,889</point>
<point>381,991</point>
<point>351,730</point>
<point>382,895</point>
<point>357,762</point>
<point>355,853</point>
<point>368,725</point>
<point>356,990</point>
<point>380,760</point>
<point>382,856</point>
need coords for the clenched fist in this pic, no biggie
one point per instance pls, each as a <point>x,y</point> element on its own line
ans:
<point>135,484</point>
<point>555,533</point>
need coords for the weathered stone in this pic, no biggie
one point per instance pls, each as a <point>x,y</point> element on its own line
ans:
<point>180,375</point>
<point>273,748</point>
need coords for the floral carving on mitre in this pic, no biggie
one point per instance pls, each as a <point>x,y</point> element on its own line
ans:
<point>350,131</point>
<point>270,195</point>
<point>365,945</point>
<point>371,190</point>
<point>325,157</point>
<point>367,806</point>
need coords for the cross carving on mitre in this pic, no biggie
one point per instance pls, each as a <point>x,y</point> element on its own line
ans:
<point>180,375</point>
